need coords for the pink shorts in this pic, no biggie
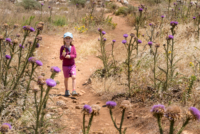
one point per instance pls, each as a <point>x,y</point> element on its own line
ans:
<point>68,71</point>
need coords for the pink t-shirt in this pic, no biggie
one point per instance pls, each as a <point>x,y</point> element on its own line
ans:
<point>71,61</point>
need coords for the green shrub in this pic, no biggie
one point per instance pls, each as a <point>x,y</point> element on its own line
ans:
<point>122,10</point>
<point>30,4</point>
<point>60,21</point>
<point>130,9</point>
<point>81,2</point>
<point>111,6</point>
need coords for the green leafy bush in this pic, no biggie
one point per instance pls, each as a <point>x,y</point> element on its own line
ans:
<point>60,21</point>
<point>81,2</point>
<point>30,4</point>
<point>122,11</point>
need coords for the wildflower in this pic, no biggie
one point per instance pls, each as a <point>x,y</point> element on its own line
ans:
<point>158,110</point>
<point>157,45</point>
<point>173,23</point>
<point>5,25</point>
<point>162,16</point>
<point>173,113</point>
<point>8,40</point>
<point>140,9</point>
<point>41,80</point>
<point>16,26</point>
<point>8,57</point>
<point>18,35</point>
<point>42,4</point>
<point>124,41</point>
<point>39,37</point>
<point>191,64</point>
<point>150,24</point>
<point>32,29</point>
<point>170,37</point>
<point>37,45</point>
<point>125,35</point>
<point>139,41</point>
<point>104,39</point>
<point>32,59</point>
<point>49,7</point>
<point>132,34</point>
<point>87,109</point>
<point>5,127</point>
<point>50,83</point>
<point>40,27</point>
<point>38,63</point>
<point>1,37</point>
<point>193,113</point>
<point>113,41</point>
<point>194,18</point>
<point>20,45</point>
<point>111,104</point>
<point>169,52</point>
<point>100,30</point>
<point>150,43</point>
<point>125,104</point>
<point>95,109</point>
<point>55,69</point>
<point>103,32</point>
<point>15,41</point>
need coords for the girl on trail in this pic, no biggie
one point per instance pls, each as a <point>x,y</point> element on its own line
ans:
<point>67,55</point>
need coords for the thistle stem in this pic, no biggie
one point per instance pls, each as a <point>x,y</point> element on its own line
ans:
<point>171,127</point>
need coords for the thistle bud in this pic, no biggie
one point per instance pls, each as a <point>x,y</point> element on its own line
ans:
<point>5,25</point>
<point>16,26</point>
<point>15,41</point>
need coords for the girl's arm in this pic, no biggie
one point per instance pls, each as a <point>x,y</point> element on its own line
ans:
<point>73,55</point>
<point>61,50</point>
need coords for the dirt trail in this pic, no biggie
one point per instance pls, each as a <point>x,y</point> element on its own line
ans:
<point>72,116</point>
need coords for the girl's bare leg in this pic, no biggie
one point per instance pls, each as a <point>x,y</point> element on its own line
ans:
<point>66,83</point>
<point>73,82</point>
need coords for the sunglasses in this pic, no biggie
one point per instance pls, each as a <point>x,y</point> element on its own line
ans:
<point>67,38</point>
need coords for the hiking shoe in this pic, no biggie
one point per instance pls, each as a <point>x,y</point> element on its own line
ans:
<point>74,93</point>
<point>67,93</point>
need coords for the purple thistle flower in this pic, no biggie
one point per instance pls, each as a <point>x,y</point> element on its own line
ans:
<point>195,112</point>
<point>150,24</point>
<point>155,107</point>
<point>124,41</point>
<point>150,43</point>
<point>55,69</point>
<point>39,63</point>
<point>50,83</point>
<point>113,41</point>
<point>24,27</point>
<point>111,104</point>
<point>194,18</point>
<point>37,45</point>
<point>139,41</point>
<point>10,127</point>
<point>32,59</point>
<point>172,9</point>
<point>42,4</point>
<point>87,109</point>
<point>8,40</point>
<point>125,35</point>
<point>162,16</point>
<point>8,57</point>
<point>104,39</point>
<point>32,29</point>
<point>170,37</point>
<point>20,45</point>
<point>103,32</point>
<point>173,23</point>
<point>49,7</point>
<point>140,9</point>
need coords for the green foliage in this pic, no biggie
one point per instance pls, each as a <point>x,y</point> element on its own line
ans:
<point>60,21</point>
<point>30,4</point>
<point>111,6</point>
<point>81,2</point>
<point>122,10</point>
<point>28,21</point>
